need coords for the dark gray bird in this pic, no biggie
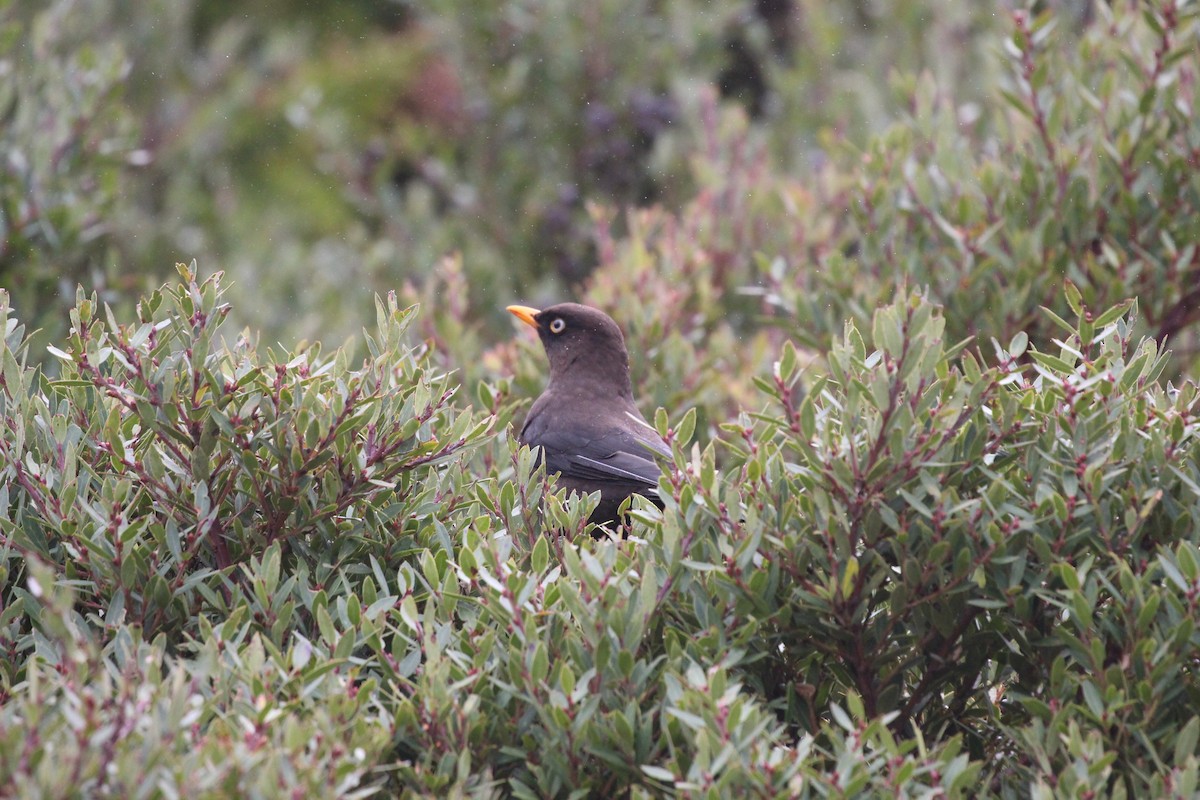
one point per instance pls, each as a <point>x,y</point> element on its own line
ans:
<point>585,421</point>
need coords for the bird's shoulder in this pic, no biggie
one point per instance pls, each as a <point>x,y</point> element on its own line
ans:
<point>613,444</point>
<point>562,426</point>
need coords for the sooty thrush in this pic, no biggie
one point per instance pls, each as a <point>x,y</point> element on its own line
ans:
<point>585,421</point>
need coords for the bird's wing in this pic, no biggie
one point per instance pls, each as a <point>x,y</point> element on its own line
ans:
<point>625,467</point>
<point>615,456</point>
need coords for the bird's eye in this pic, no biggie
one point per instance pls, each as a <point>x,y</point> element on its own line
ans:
<point>557,325</point>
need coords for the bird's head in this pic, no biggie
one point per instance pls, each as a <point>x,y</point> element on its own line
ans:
<point>584,346</point>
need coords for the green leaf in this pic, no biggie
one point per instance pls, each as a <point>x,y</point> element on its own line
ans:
<point>1185,742</point>
<point>540,556</point>
<point>1074,298</point>
<point>849,577</point>
<point>1054,363</point>
<point>785,367</point>
<point>1018,344</point>
<point>658,773</point>
<point>539,666</point>
<point>1113,314</point>
<point>661,423</point>
<point>686,427</point>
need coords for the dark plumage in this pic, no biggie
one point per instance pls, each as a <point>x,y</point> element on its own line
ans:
<point>585,421</point>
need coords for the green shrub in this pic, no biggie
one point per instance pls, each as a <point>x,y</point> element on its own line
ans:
<point>322,154</point>
<point>185,458</point>
<point>258,573</point>
<point>919,536</point>
<point>1081,168</point>
<point>66,138</point>
<point>977,553</point>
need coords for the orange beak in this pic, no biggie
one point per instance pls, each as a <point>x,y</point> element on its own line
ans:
<point>525,314</point>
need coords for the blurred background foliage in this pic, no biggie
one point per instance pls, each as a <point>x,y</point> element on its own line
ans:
<point>323,152</point>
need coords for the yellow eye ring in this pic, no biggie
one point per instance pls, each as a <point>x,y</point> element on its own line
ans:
<point>557,325</point>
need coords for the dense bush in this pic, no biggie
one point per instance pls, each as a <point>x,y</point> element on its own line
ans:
<point>228,570</point>
<point>923,350</point>
<point>323,158</point>
<point>65,139</point>
<point>959,199</point>
<point>323,154</point>
<point>1089,177</point>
